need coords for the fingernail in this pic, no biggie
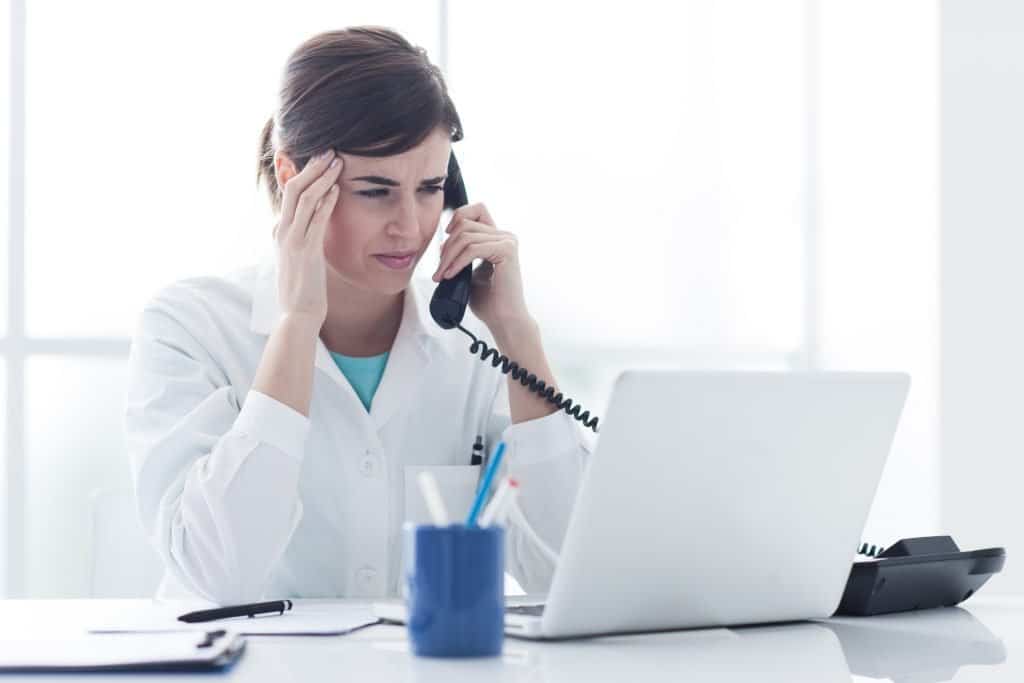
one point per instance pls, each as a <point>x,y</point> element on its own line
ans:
<point>334,161</point>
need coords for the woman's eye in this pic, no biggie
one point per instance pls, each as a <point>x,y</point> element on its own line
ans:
<point>431,189</point>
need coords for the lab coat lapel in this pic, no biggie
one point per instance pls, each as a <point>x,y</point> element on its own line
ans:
<point>407,366</point>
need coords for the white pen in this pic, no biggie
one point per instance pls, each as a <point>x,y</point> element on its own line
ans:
<point>501,516</point>
<point>433,499</point>
<point>498,501</point>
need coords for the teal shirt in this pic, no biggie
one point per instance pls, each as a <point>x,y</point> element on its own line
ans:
<point>363,373</point>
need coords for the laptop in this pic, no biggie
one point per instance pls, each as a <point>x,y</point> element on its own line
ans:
<point>717,499</point>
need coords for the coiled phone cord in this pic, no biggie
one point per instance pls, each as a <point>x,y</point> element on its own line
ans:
<point>529,380</point>
<point>870,550</point>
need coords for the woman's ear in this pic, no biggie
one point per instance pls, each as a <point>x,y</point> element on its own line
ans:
<point>284,169</point>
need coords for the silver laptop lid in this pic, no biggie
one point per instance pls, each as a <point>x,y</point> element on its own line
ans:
<point>722,498</point>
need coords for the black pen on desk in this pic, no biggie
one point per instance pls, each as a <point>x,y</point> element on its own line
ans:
<point>250,610</point>
<point>477,458</point>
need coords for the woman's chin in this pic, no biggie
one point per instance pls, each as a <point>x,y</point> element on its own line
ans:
<point>393,282</point>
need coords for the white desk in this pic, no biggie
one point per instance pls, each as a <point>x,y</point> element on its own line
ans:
<point>980,640</point>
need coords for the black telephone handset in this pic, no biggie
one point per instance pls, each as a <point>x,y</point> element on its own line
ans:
<point>448,306</point>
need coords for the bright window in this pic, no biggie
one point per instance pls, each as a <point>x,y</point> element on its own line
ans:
<point>144,122</point>
<point>650,158</point>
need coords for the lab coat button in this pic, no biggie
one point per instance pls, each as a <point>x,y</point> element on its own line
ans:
<point>367,466</point>
<point>365,577</point>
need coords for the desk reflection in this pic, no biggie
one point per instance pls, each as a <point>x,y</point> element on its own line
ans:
<point>792,653</point>
<point>930,645</point>
<point>923,646</point>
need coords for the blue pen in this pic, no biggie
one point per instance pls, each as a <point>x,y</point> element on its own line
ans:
<point>492,467</point>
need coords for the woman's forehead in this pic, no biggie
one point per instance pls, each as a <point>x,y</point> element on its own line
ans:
<point>429,158</point>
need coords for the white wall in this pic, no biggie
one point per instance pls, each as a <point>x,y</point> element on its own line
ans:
<point>877,244</point>
<point>983,278</point>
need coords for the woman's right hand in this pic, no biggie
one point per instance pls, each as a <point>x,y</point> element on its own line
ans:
<point>309,199</point>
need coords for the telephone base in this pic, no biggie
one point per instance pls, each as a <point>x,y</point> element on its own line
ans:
<point>918,573</point>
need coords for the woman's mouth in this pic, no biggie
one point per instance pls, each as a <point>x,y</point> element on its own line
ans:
<point>395,262</point>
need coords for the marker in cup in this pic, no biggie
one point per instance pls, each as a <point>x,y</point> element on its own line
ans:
<point>432,497</point>
<point>499,501</point>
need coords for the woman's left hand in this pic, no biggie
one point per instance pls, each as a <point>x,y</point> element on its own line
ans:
<point>496,295</point>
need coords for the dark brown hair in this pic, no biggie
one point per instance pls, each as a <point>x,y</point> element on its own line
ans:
<point>362,90</point>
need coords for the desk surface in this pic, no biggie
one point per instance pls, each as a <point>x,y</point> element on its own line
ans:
<point>975,642</point>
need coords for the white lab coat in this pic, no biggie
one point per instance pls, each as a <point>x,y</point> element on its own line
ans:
<point>244,497</point>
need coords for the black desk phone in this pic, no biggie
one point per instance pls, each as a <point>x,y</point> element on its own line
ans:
<point>448,306</point>
<point>916,573</point>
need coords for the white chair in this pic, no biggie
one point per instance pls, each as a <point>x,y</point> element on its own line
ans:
<point>123,565</point>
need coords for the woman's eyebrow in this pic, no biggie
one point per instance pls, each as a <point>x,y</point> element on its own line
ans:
<point>381,180</point>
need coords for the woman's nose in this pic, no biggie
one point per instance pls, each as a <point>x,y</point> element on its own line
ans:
<point>404,220</point>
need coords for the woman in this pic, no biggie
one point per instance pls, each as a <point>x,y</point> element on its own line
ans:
<point>276,418</point>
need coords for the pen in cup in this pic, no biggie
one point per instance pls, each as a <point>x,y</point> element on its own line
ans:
<point>499,503</point>
<point>432,497</point>
<point>502,514</point>
<point>481,493</point>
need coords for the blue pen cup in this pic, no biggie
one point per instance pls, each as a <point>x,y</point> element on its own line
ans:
<point>456,591</point>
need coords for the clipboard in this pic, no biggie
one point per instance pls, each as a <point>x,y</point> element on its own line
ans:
<point>177,651</point>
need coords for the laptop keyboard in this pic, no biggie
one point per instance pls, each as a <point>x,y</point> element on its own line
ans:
<point>528,610</point>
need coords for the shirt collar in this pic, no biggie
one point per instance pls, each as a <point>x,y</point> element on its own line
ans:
<point>416,320</point>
